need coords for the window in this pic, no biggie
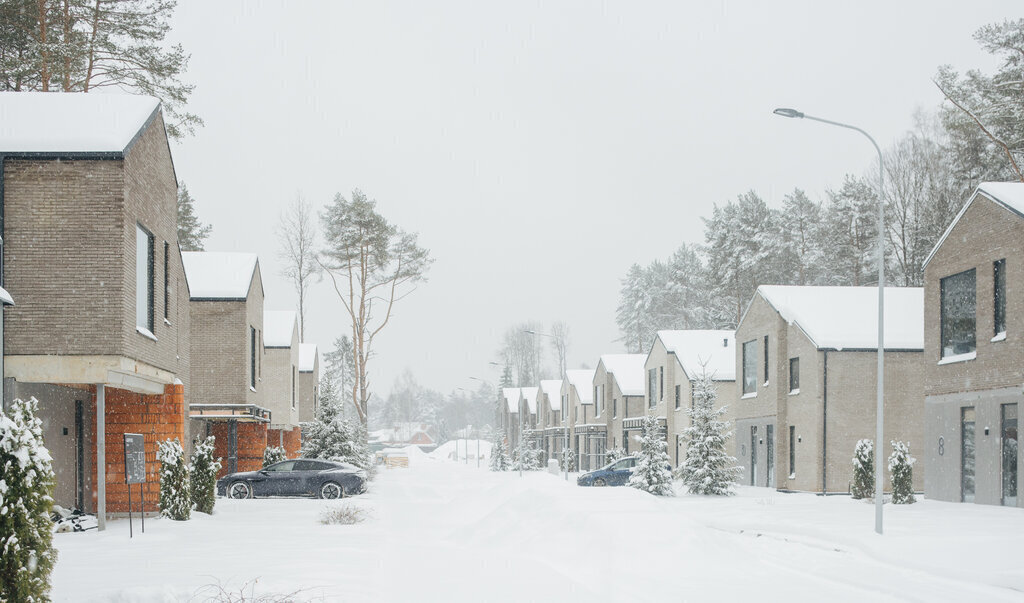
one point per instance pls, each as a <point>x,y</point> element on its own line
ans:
<point>259,364</point>
<point>167,281</point>
<point>661,383</point>
<point>679,393</point>
<point>252,357</point>
<point>750,367</point>
<point>792,450</point>
<point>652,384</point>
<point>143,279</point>
<point>766,359</point>
<point>794,375</point>
<point>999,296</point>
<point>293,387</point>
<point>957,310</point>
<point>615,407</point>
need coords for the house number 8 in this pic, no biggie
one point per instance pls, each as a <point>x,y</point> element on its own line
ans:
<point>942,446</point>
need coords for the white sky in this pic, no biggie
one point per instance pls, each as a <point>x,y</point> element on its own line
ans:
<point>539,149</point>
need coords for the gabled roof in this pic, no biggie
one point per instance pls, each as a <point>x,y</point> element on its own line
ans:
<point>552,388</point>
<point>530,395</point>
<point>627,370</point>
<point>307,357</point>
<point>278,328</point>
<point>219,275</point>
<point>696,350</point>
<point>52,122</point>
<point>583,381</point>
<point>1008,194</point>
<point>838,318</point>
<point>511,395</point>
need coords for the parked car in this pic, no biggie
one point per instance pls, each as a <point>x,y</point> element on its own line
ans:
<point>299,477</point>
<point>615,473</point>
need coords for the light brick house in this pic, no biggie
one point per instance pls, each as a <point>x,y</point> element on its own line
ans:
<point>678,358</point>
<point>100,332</point>
<point>510,416</point>
<point>587,437</point>
<point>528,410</point>
<point>226,348</point>
<point>281,379</point>
<point>805,382</point>
<point>618,391</point>
<point>550,417</point>
<point>974,351</point>
<point>309,381</point>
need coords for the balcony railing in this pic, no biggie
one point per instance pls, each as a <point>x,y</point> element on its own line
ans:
<point>220,412</point>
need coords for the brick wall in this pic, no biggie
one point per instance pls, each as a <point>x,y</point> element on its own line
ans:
<point>281,365</point>
<point>252,441</point>
<point>291,439</point>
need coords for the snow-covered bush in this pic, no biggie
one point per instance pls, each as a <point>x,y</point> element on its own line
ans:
<point>528,455</point>
<point>203,476</point>
<point>332,437</point>
<point>346,514</point>
<point>500,460</point>
<point>614,454</point>
<point>274,454</point>
<point>568,457</point>
<point>902,474</point>
<point>863,470</point>
<point>707,468</point>
<point>175,491</point>
<point>26,488</point>
<point>652,472</point>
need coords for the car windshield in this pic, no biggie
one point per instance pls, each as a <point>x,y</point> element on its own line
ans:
<point>283,466</point>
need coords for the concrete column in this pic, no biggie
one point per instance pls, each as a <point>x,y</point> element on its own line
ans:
<point>101,457</point>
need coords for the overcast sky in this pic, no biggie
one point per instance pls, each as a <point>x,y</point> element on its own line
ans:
<point>539,149</point>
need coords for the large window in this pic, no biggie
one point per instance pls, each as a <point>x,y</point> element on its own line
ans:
<point>652,387</point>
<point>167,281</point>
<point>252,357</point>
<point>957,303</point>
<point>679,393</point>
<point>750,367</point>
<point>999,296</point>
<point>143,279</point>
<point>615,408</point>
<point>766,360</point>
<point>794,374</point>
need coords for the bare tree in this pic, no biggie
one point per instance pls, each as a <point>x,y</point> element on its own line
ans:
<point>297,235</point>
<point>560,341</point>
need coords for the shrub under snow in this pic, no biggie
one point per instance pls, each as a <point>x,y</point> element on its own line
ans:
<point>568,457</point>
<point>863,470</point>
<point>274,454</point>
<point>652,473</point>
<point>707,469</point>
<point>902,474</point>
<point>204,476</point>
<point>500,460</point>
<point>527,455</point>
<point>175,492</point>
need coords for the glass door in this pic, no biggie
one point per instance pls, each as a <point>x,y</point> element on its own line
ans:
<point>753,455</point>
<point>1009,445</point>
<point>769,440</point>
<point>967,454</point>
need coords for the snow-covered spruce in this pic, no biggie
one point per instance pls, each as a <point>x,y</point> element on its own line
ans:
<point>901,473</point>
<point>274,454</point>
<point>332,437</point>
<point>528,455</point>
<point>27,555</point>
<point>567,457</point>
<point>707,468</point>
<point>175,490</point>
<point>652,472</point>
<point>863,470</point>
<point>500,460</point>
<point>203,476</point>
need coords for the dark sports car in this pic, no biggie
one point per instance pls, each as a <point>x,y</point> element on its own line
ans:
<point>299,477</point>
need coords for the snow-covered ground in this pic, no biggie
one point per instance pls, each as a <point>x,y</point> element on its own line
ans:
<point>442,530</point>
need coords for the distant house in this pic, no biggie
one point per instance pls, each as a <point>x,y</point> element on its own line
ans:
<point>281,379</point>
<point>89,244</point>
<point>618,394</point>
<point>510,415</point>
<point>806,375</point>
<point>974,351</point>
<point>588,437</point>
<point>226,349</point>
<point>401,435</point>
<point>549,417</point>
<point>528,410</point>
<point>676,360</point>
<point>309,381</point>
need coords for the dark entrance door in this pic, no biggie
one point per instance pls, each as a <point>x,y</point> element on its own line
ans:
<point>1009,446</point>
<point>967,454</point>
<point>769,441</point>
<point>753,455</point>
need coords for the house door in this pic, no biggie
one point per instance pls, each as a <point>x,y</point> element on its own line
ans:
<point>967,454</point>
<point>769,440</point>
<point>80,455</point>
<point>1009,446</point>
<point>753,455</point>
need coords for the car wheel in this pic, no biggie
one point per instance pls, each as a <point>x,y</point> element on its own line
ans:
<point>239,490</point>
<point>599,483</point>
<point>331,490</point>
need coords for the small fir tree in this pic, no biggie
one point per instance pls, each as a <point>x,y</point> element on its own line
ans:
<point>652,472</point>
<point>707,469</point>
<point>191,232</point>
<point>175,490</point>
<point>332,437</point>
<point>26,488</point>
<point>204,475</point>
<point>528,455</point>
<point>274,454</point>
<point>500,460</point>
<point>568,457</point>
<point>863,470</point>
<point>902,474</point>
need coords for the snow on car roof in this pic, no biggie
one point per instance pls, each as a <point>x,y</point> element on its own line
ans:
<point>219,274</point>
<point>511,395</point>
<point>530,395</point>
<point>627,370</point>
<point>51,122</point>
<point>697,349</point>
<point>847,317</point>
<point>307,357</point>
<point>583,381</point>
<point>278,328</point>
<point>552,388</point>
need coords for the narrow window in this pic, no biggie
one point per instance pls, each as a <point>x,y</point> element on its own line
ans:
<point>293,387</point>
<point>750,367</point>
<point>143,278</point>
<point>766,360</point>
<point>957,311</point>
<point>679,392</point>
<point>259,356</point>
<point>615,407</point>
<point>792,450</point>
<point>794,375</point>
<point>652,384</point>
<point>999,295</point>
<point>661,383</point>
<point>252,357</point>
<point>167,282</point>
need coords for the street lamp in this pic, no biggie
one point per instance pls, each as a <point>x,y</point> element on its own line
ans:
<point>565,411</point>
<point>879,412</point>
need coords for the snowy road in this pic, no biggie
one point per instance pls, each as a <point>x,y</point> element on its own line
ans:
<point>445,531</point>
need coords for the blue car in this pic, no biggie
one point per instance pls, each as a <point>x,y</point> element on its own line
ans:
<point>615,473</point>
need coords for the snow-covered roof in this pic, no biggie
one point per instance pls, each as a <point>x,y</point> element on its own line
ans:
<point>552,388</point>
<point>847,317</point>
<point>278,328</point>
<point>219,274</point>
<point>5,297</point>
<point>307,357</point>
<point>627,370</point>
<point>52,122</point>
<point>1008,194</point>
<point>583,381</point>
<point>696,350</point>
<point>530,395</point>
<point>511,395</point>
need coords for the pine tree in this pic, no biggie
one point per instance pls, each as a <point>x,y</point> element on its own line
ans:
<point>568,457</point>
<point>175,490</point>
<point>332,437</point>
<point>707,469</point>
<point>863,470</point>
<point>26,488</point>
<point>652,472</point>
<point>191,232</point>
<point>528,455</point>
<point>204,475</point>
<point>500,460</point>
<point>274,454</point>
<point>902,474</point>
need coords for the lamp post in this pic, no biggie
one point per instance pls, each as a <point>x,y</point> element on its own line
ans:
<point>879,412</point>
<point>565,411</point>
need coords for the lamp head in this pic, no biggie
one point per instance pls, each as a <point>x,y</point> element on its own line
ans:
<point>788,112</point>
